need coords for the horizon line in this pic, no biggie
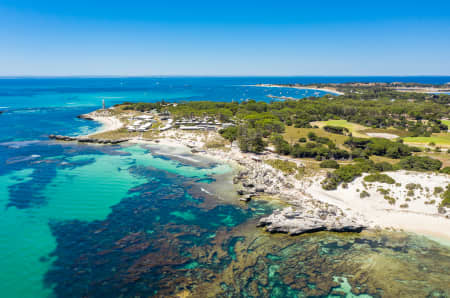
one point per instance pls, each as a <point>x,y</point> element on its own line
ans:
<point>209,76</point>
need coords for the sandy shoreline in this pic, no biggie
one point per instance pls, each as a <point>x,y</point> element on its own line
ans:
<point>333,91</point>
<point>109,123</point>
<point>419,218</point>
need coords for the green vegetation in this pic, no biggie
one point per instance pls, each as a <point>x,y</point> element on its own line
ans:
<point>331,164</point>
<point>383,191</point>
<point>250,139</point>
<point>380,147</point>
<point>446,197</point>
<point>438,190</point>
<point>336,129</point>
<point>285,166</point>
<point>346,174</point>
<point>420,163</point>
<point>435,139</point>
<point>391,200</point>
<point>445,170</point>
<point>293,134</point>
<point>413,186</point>
<point>364,194</point>
<point>229,133</point>
<point>349,172</point>
<point>377,177</point>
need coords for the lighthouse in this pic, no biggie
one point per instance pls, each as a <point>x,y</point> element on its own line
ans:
<point>103,103</point>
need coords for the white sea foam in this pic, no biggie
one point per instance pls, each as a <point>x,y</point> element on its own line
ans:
<point>204,190</point>
<point>21,158</point>
<point>19,144</point>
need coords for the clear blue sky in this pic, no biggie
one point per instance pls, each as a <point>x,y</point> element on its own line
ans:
<point>138,38</point>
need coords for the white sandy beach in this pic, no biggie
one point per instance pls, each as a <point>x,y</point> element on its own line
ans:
<point>109,123</point>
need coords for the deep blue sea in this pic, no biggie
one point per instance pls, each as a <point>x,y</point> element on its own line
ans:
<point>129,221</point>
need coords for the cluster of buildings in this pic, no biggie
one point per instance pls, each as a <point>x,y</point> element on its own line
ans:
<point>141,123</point>
<point>206,123</point>
<point>144,123</point>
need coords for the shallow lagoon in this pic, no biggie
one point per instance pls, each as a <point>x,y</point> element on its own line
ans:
<point>117,221</point>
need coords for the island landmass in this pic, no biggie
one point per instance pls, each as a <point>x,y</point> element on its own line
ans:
<point>373,157</point>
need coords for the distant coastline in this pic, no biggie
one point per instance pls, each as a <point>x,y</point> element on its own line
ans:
<point>329,90</point>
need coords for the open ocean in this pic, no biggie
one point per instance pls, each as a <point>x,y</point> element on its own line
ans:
<point>129,221</point>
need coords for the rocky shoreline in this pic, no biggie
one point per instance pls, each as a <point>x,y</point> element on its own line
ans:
<point>87,140</point>
<point>305,215</point>
<point>309,219</point>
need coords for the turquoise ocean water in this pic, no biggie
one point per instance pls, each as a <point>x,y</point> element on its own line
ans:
<point>126,221</point>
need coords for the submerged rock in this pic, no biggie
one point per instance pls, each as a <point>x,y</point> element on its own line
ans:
<point>297,220</point>
<point>85,116</point>
<point>246,198</point>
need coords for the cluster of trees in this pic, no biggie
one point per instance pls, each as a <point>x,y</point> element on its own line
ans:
<point>336,129</point>
<point>420,163</point>
<point>141,106</point>
<point>322,148</point>
<point>250,139</point>
<point>364,147</point>
<point>318,147</point>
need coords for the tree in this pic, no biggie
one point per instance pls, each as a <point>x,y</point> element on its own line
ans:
<point>250,139</point>
<point>229,133</point>
<point>281,146</point>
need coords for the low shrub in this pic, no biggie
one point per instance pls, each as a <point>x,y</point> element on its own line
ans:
<point>330,164</point>
<point>445,170</point>
<point>438,190</point>
<point>382,178</point>
<point>364,194</point>
<point>446,197</point>
<point>412,186</point>
<point>391,200</point>
<point>383,191</point>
